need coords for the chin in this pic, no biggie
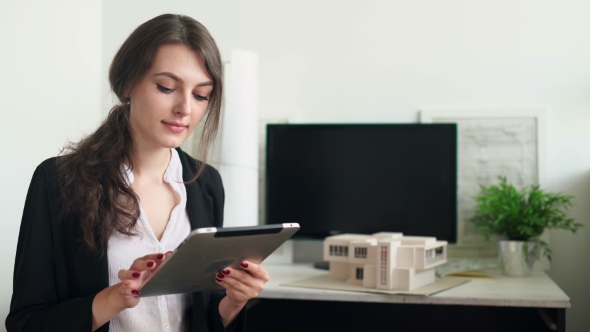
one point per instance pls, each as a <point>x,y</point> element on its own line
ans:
<point>172,142</point>
<point>173,146</point>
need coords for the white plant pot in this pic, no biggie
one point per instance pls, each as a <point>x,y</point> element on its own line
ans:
<point>517,257</point>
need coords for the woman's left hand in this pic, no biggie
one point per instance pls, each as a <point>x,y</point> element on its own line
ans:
<point>242,284</point>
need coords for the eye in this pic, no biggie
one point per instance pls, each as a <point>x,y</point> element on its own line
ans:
<point>164,89</point>
<point>200,98</point>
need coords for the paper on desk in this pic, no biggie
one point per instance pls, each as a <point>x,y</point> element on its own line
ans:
<point>467,267</point>
<point>325,282</point>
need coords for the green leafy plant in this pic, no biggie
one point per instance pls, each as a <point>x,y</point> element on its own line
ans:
<point>521,214</point>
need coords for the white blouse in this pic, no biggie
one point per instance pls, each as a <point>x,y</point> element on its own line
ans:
<point>157,313</point>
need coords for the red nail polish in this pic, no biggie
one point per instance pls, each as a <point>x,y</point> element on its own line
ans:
<point>218,280</point>
<point>244,265</point>
<point>160,256</point>
<point>225,271</point>
<point>135,275</point>
<point>135,292</point>
<point>150,264</point>
<point>220,275</point>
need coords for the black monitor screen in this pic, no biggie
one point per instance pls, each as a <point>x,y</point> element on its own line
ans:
<point>363,178</point>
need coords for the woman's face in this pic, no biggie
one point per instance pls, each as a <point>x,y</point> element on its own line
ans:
<point>171,99</point>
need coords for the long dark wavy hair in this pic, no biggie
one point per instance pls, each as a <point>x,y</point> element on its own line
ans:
<point>91,184</point>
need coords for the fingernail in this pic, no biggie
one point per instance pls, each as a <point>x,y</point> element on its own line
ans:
<point>220,276</point>
<point>135,275</point>
<point>150,264</point>
<point>225,271</point>
<point>218,280</point>
<point>160,256</point>
<point>244,265</point>
<point>135,292</point>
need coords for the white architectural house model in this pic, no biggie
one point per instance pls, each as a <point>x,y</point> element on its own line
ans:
<point>384,260</point>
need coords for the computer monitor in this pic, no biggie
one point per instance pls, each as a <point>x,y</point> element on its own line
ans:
<point>363,178</point>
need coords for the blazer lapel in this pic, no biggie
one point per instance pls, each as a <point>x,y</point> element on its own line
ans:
<point>199,204</point>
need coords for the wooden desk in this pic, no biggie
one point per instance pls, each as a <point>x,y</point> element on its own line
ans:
<point>534,303</point>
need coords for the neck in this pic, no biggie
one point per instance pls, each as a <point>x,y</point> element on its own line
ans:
<point>150,163</point>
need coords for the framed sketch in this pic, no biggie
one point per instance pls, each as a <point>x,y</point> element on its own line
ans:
<point>492,142</point>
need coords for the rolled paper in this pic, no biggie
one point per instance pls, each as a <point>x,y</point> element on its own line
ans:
<point>238,140</point>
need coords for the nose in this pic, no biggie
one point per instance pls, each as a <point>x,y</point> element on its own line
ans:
<point>183,105</point>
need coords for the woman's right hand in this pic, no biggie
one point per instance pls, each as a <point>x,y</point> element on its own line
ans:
<point>112,300</point>
<point>133,278</point>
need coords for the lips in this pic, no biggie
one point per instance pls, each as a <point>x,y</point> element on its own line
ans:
<point>175,127</point>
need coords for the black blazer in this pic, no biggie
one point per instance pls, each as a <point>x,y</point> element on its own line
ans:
<point>56,278</point>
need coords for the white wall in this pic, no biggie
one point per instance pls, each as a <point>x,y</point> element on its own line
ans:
<point>50,92</point>
<point>331,61</point>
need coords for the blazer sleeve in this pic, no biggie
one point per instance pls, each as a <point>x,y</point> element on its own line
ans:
<point>36,303</point>
<point>214,187</point>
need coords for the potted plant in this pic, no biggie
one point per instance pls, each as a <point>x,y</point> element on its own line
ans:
<point>519,217</point>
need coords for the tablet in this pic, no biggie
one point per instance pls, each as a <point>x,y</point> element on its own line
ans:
<point>206,251</point>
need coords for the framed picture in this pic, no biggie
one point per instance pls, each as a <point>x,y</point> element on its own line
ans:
<point>492,142</point>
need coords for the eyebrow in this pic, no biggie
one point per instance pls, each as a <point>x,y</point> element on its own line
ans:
<point>178,79</point>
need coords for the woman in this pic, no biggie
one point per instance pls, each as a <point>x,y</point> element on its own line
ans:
<point>99,218</point>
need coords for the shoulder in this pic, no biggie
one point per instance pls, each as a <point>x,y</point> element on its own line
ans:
<point>46,170</point>
<point>42,191</point>
<point>48,164</point>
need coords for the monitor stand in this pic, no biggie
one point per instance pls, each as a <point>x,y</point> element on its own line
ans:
<point>323,265</point>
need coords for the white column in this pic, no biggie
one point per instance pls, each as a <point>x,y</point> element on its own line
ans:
<point>238,139</point>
